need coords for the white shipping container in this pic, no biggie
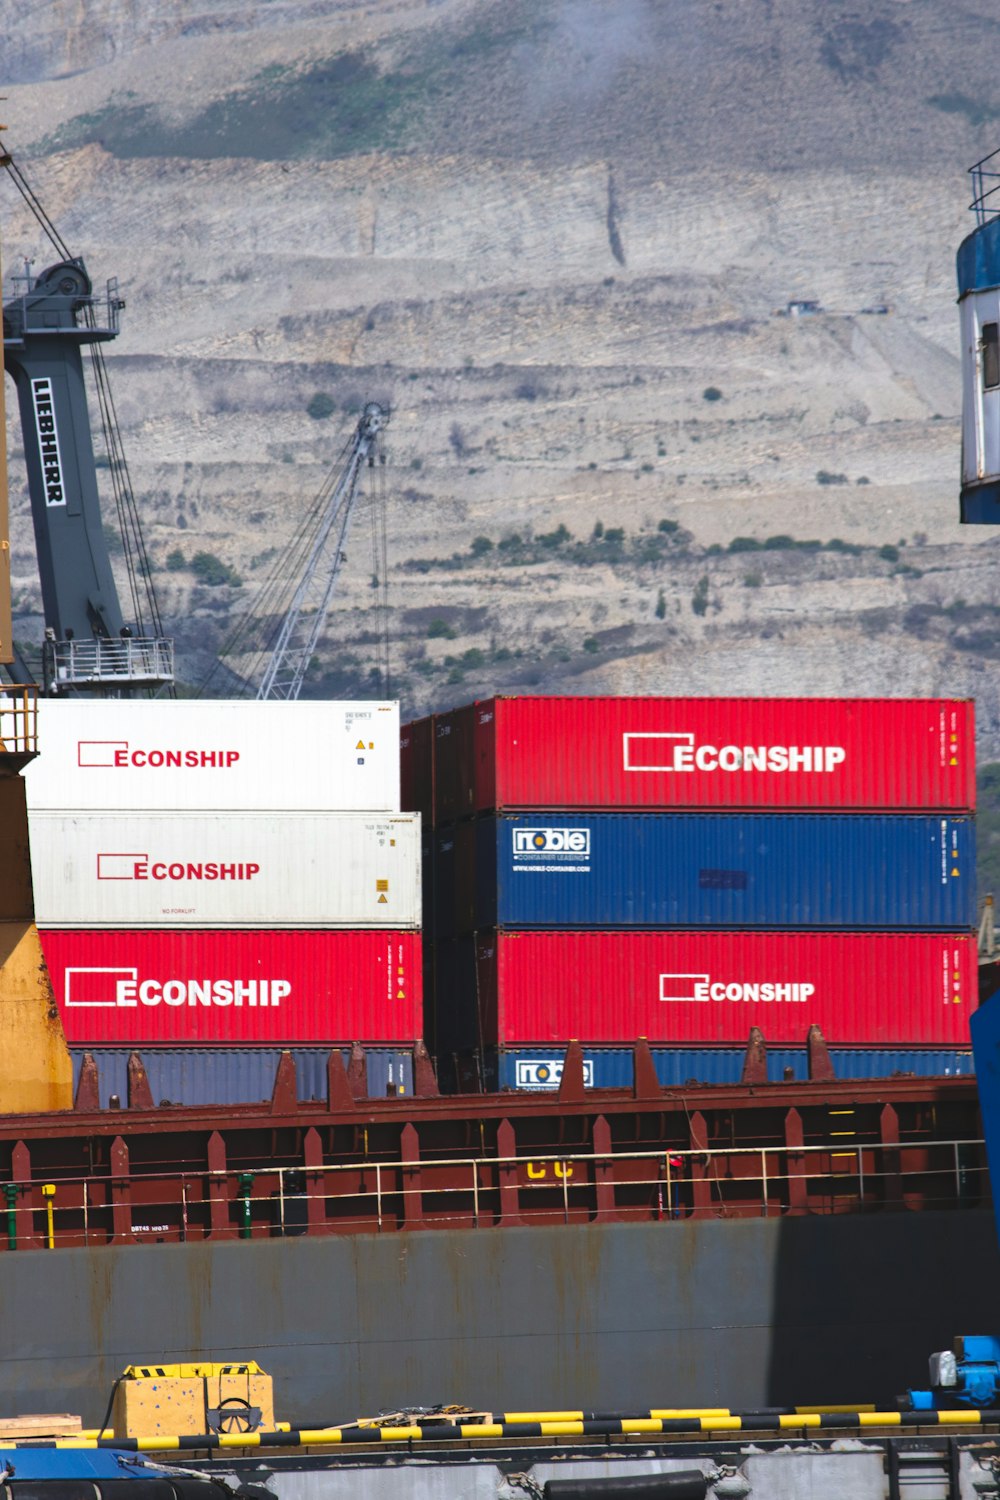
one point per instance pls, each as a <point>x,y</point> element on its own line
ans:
<point>215,754</point>
<point>225,870</point>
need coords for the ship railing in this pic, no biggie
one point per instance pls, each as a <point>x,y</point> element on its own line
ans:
<point>124,1207</point>
<point>19,721</point>
<point>985,175</point>
<point>109,665</point>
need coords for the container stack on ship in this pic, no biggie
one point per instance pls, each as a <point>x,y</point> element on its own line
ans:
<point>687,869</point>
<point>215,881</point>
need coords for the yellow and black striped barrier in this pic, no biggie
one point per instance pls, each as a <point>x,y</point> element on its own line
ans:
<point>554,1425</point>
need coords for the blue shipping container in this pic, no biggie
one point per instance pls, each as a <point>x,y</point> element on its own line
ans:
<point>611,1067</point>
<point>236,1075</point>
<point>720,871</point>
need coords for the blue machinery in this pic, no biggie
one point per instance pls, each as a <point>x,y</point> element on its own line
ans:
<point>969,1374</point>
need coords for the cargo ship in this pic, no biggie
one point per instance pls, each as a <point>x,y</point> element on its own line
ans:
<point>252,1105</point>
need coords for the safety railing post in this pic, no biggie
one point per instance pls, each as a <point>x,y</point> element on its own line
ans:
<point>10,1192</point>
<point>763,1184</point>
<point>861,1176</point>
<point>244,1187</point>
<point>378,1191</point>
<point>475,1194</point>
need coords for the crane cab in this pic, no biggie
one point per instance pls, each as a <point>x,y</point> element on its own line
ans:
<point>978,266</point>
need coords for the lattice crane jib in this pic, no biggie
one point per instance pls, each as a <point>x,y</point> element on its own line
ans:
<point>305,618</point>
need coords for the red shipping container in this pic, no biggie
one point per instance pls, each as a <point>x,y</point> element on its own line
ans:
<point>416,768</point>
<point>877,990</point>
<point>236,988</point>
<point>862,753</point>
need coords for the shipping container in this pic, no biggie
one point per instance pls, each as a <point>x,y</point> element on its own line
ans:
<point>225,870</point>
<point>863,989</point>
<point>188,754</point>
<point>235,988</point>
<point>516,754</point>
<point>716,870</point>
<point>416,768</point>
<point>537,1070</point>
<point>237,1075</point>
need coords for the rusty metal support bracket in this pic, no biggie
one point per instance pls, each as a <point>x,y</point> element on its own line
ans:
<point>645,1084</point>
<point>312,1155</point>
<point>604,1172</point>
<point>510,1196</point>
<point>285,1094</point>
<point>409,1171</point>
<point>755,1059</point>
<point>892,1177</point>
<point>21,1177</point>
<point>139,1093</point>
<point>572,1089</point>
<point>218,1198</point>
<point>88,1088</point>
<point>701,1182</point>
<point>339,1095</point>
<point>121,1193</point>
<point>798,1186</point>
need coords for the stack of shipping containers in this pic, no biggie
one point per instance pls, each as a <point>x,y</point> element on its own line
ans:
<point>684,870</point>
<point>215,881</point>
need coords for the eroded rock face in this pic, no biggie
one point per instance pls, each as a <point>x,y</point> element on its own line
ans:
<point>679,273</point>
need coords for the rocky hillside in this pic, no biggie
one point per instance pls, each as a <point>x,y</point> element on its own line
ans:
<point>661,296</point>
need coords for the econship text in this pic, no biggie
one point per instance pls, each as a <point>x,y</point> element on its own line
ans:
<point>678,752</point>
<point>251,992</point>
<point>109,755</point>
<point>140,867</point>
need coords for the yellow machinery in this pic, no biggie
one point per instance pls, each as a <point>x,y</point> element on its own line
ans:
<point>37,1074</point>
<point>6,623</point>
<point>190,1400</point>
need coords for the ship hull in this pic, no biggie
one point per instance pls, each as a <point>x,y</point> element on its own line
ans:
<point>743,1314</point>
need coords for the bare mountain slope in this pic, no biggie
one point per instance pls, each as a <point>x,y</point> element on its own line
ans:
<point>561,238</point>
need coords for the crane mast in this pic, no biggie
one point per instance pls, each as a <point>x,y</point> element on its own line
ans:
<point>306,615</point>
<point>89,646</point>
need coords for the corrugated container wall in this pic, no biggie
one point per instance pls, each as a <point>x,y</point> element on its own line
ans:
<point>237,1075</point>
<point>256,988</point>
<point>869,989</point>
<point>715,870</point>
<point>416,768</point>
<point>198,753</point>
<point>535,1069</point>
<point>739,753</point>
<point>226,870</point>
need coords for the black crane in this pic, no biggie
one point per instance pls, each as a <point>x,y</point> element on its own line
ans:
<point>89,646</point>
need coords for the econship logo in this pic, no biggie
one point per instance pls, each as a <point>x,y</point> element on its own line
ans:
<point>141,867</point>
<point>122,988</point>
<point>48,441</point>
<point>678,988</point>
<point>107,755</point>
<point>679,752</point>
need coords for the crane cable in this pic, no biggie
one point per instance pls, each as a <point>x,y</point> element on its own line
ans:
<point>137,562</point>
<point>256,632</point>
<point>248,651</point>
<point>380,572</point>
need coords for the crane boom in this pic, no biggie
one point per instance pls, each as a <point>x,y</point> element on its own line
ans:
<point>306,615</point>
